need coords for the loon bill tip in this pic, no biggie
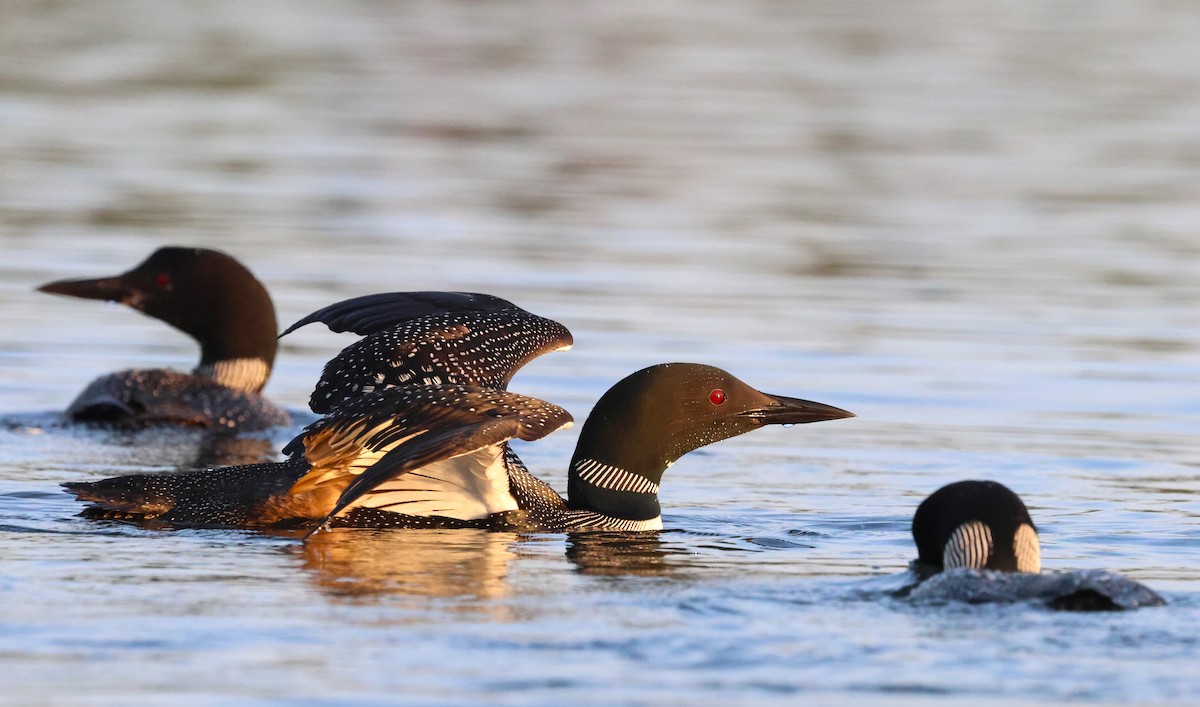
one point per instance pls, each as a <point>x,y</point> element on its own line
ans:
<point>793,411</point>
<point>108,289</point>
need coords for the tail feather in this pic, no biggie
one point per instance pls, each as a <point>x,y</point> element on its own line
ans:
<point>124,497</point>
<point>232,496</point>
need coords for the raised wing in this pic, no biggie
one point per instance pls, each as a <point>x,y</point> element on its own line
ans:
<point>371,314</point>
<point>479,340</point>
<point>372,441</point>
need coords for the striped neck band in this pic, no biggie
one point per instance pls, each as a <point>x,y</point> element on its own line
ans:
<point>970,545</point>
<point>613,478</point>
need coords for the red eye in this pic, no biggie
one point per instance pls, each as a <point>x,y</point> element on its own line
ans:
<point>717,396</point>
<point>163,280</point>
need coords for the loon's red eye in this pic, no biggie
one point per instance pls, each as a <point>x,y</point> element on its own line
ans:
<point>163,280</point>
<point>717,396</point>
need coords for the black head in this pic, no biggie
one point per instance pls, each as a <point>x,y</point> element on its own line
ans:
<point>980,524</point>
<point>202,292</point>
<point>651,418</point>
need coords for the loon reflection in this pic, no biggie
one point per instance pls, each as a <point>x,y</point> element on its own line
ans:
<point>467,563</point>
<point>179,449</point>
<point>222,450</point>
<point>621,553</point>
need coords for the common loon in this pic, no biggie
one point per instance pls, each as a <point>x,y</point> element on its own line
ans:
<point>417,426</point>
<point>977,544</point>
<point>977,524</point>
<point>215,299</point>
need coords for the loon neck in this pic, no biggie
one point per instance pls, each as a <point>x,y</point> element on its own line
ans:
<point>612,490</point>
<point>237,350</point>
<point>237,344</point>
<point>218,302</point>
<point>622,452</point>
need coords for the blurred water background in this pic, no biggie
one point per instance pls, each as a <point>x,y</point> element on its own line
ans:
<point>974,224</point>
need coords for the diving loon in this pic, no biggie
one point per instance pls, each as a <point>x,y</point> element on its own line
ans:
<point>215,299</point>
<point>417,424</point>
<point>976,524</point>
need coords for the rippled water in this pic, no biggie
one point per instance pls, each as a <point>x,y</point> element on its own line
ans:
<point>975,225</point>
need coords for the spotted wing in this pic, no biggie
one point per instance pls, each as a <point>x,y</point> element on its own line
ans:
<point>479,348</point>
<point>371,314</point>
<point>451,437</point>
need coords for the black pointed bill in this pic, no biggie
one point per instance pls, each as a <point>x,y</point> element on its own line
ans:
<point>110,289</point>
<point>782,410</point>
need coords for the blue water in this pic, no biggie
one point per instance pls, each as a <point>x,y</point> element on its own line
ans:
<point>974,226</point>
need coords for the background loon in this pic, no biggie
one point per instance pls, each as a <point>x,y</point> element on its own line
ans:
<point>976,543</point>
<point>215,299</point>
<point>418,425</point>
<point>979,524</point>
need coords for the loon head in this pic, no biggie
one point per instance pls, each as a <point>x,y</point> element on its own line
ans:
<point>656,415</point>
<point>204,293</point>
<point>976,524</point>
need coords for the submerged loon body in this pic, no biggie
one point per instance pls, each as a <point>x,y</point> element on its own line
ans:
<point>976,543</point>
<point>216,300</point>
<point>417,424</point>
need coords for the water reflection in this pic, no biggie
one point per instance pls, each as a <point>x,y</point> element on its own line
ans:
<point>228,450</point>
<point>354,563</point>
<point>188,449</point>
<point>462,564</point>
<point>30,440</point>
<point>621,553</point>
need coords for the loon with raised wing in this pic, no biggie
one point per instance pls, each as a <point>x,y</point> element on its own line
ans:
<point>417,424</point>
<point>216,300</point>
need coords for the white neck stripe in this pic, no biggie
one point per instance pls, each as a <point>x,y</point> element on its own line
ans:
<point>1027,549</point>
<point>613,478</point>
<point>248,374</point>
<point>970,545</point>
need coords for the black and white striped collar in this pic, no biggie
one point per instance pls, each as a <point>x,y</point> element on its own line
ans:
<point>612,478</point>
